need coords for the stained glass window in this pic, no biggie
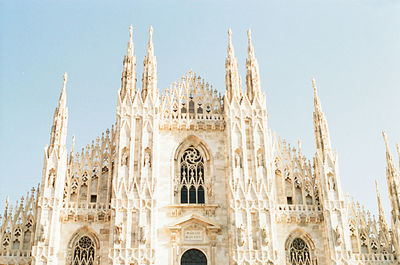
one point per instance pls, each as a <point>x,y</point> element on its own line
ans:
<point>191,184</point>
<point>299,253</point>
<point>84,252</point>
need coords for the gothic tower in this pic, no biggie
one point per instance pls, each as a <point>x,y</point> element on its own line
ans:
<point>134,179</point>
<point>46,242</point>
<point>327,170</point>
<point>249,150</point>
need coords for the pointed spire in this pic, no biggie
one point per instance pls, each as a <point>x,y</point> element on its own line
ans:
<point>149,79</point>
<point>63,96</point>
<point>60,119</point>
<point>322,139</point>
<point>252,75</point>
<point>389,158</point>
<point>392,178</point>
<point>382,219</point>
<point>128,79</point>
<point>398,152</point>
<point>232,78</point>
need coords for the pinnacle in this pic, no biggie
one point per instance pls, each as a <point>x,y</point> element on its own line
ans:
<point>386,140</point>
<point>130,43</point>
<point>62,100</point>
<point>250,49</point>
<point>231,52</point>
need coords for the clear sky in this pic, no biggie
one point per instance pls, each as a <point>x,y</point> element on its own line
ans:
<point>350,46</point>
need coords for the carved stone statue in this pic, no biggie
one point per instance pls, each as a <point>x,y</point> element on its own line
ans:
<point>265,239</point>
<point>143,235</point>
<point>338,236</point>
<point>147,160</point>
<point>238,161</point>
<point>118,234</point>
<point>124,157</point>
<point>260,160</point>
<point>241,235</point>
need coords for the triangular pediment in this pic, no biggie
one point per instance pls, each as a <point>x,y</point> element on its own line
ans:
<point>195,218</point>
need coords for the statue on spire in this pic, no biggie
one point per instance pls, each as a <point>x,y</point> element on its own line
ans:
<point>128,79</point>
<point>149,79</point>
<point>60,119</point>
<point>253,75</point>
<point>232,78</point>
<point>322,139</point>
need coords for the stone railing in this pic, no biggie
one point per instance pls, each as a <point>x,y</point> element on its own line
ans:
<point>195,121</point>
<point>297,213</point>
<point>375,258</point>
<point>86,211</point>
<point>16,253</point>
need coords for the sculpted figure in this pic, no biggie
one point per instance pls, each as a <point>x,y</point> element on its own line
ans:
<point>238,161</point>
<point>143,235</point>
<point>118,234</point>
<point>264,233</point>
<point>338,236</point>
<point>147,160</point>
<point>241,235</point>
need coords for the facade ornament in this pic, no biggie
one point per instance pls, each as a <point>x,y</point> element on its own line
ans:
<point>118,234</point>
<point>147,160</point>
<point>338,235</point>
<point>241,235</point>
<point>143,234</point>
<point>265,236</point>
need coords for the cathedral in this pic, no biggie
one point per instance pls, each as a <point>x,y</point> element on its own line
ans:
<point>187,176</point>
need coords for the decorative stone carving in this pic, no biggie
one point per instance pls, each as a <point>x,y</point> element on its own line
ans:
<point>265,236</point>
<point>241,235</point>
<point>118,234</point>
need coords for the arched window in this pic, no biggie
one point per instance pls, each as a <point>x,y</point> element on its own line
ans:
<point>84,252</point>
<point>193,257</point>
<point>191,176</point>
<point>299,253</point>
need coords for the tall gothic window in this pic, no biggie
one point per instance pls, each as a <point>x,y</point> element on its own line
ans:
<point>299,253</point>
<point>192,176</point>
<point>84,252</point>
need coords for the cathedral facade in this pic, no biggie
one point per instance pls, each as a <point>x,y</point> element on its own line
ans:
<point>192,177</point>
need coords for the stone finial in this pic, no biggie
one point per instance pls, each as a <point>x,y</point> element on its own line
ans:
<point>386,141</point>
<point>130,33</point>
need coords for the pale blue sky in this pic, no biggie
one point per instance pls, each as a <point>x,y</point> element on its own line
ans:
<point>351,47</point>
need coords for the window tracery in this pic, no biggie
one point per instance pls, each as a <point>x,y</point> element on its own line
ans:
<point>84,252</point>
<point>191,176</point>
<point>299,253</point>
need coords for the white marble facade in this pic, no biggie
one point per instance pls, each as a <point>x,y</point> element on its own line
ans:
<point>189,176</point>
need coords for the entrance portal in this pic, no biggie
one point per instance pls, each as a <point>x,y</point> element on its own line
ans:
<point>193,257</point>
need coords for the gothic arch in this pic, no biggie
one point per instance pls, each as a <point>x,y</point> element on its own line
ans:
<point>300,235</point>
<point>83,233</point>
<point>197,143</point>
<point>204,187</point>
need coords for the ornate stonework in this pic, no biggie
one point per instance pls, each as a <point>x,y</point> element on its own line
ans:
<point>190,176</point>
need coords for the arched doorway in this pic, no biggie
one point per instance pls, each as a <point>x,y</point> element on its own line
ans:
<point>193,257</point>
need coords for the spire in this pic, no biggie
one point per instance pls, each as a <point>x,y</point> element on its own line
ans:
<point>253,75</point>
<point>382,219</point>
<point>60,119</point>
<point>322,139</point>
<point>398,152</point>
<point>149,69</point>
<point>389,158</point>
<point>128,79</point>
<point>63,96</point>
<point>232,79</point>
